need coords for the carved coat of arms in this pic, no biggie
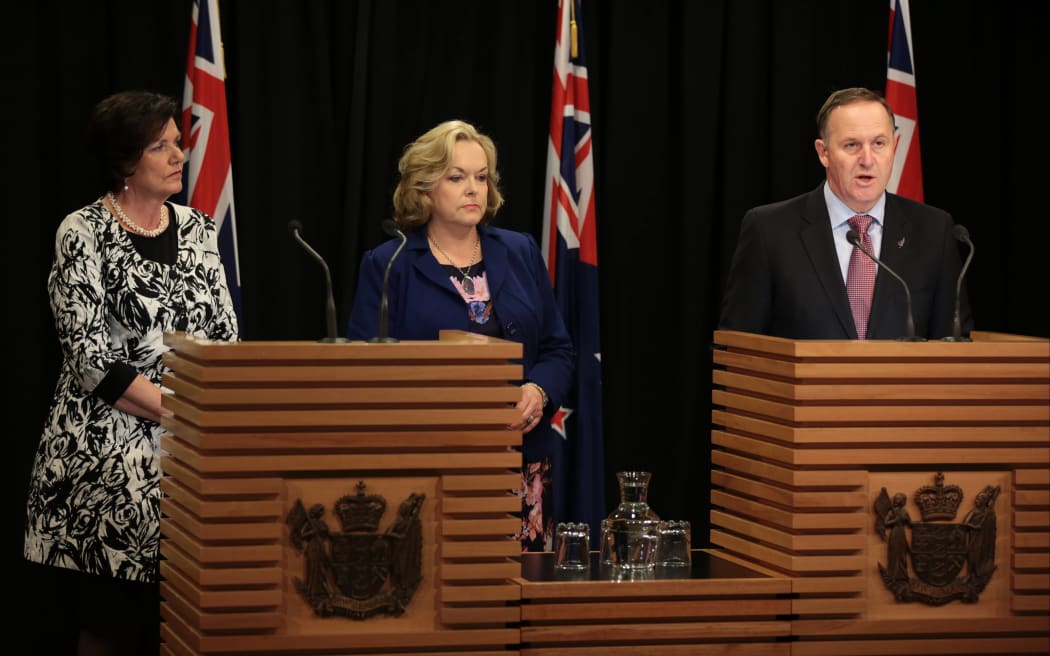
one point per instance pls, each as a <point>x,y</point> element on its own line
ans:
<point>359,572</point>
<point>939,550</point>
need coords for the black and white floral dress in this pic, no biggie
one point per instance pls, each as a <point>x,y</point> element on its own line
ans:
<point>94,493</point>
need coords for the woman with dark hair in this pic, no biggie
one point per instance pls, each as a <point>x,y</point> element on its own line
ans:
<point>128,267</point>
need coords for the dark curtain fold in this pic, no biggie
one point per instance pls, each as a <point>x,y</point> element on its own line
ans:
<point>700,110</point>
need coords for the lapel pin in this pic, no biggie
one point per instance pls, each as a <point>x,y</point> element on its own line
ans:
<point>900,244</point>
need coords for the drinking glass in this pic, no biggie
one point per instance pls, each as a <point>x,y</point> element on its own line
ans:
<point>572,546</point>
<point>674,546</point>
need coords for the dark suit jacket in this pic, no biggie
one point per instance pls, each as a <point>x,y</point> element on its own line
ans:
<point>423,301</point>
<point>785,278</point>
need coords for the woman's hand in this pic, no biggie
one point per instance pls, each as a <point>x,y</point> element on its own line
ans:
<point>142,399</point>
<point>531,407</point>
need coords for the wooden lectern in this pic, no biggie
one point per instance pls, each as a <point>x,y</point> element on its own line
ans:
<point>808,434</point>
<point>374,437</point>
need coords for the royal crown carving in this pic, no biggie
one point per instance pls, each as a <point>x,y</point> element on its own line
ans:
<point>938,501</point>
<point>360,512</point>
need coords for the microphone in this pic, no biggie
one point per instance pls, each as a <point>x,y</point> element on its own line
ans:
<point>383,335</point>
<point>854,238</point>
<point>295,227</point>
<point>963,235</point>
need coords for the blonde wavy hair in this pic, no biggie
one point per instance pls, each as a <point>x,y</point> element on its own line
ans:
<point>426,160</point>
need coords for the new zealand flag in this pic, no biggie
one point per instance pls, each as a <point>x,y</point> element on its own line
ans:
<point>207,173</point>
<point>570,249</point>
<point>906,179</point>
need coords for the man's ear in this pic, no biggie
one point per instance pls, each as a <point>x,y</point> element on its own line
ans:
<point>822,151</point>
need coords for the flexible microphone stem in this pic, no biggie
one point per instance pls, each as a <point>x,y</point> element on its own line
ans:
<point>383,327</point>
<point>963,235</point>
<point>854,238</point>
<point>332,338</point>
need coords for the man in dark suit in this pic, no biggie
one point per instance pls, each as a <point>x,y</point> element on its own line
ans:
<point>789,274</point>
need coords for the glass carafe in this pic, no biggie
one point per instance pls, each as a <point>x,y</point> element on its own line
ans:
<point>629,534</point>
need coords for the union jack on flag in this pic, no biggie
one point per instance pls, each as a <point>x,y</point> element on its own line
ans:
<point>570,249</point>
<point>207,172</point>
<point>906,179</point>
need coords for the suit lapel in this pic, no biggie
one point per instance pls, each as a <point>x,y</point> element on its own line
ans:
<point>494,252</point>
<point>428,267</point>
<point>896,234</point>
<point>817,241</point>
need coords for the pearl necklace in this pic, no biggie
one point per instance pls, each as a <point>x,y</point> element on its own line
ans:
<point>126,221</point>
<point>467,282</point>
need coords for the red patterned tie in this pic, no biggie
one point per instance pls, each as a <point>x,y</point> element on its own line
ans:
<point>860,277</point>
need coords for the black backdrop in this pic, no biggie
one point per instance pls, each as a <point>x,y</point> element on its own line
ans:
<point>700,110</point>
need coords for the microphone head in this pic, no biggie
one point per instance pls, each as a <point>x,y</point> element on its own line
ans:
<point>961,233</point>
<point>390,228</point>
<point>853,237</point>
<point>295,226</point>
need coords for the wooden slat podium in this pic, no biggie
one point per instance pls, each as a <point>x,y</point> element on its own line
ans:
<point>807,434</point>
<point>720,606</point>
<point>258,426</point>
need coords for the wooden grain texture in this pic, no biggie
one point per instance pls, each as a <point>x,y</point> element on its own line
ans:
<point>268,618</point>
<point>479,615</point>
<point>241,439</point>
<point>260,427</point>
<point>681,609</point>
<point>472,505</point>
<point>692,649</point>
<point>337,395</point>
<point>984,344</point>
<point>648,635</point>
<point>195,482</point>
<point>393,460</point>
<point>303,418</point>
<point>795,562</point>
<point>219,531</point>
<point>494,526</point>
<point>480,482</point>
<point>800,542</point>
<point>248,596</point>
<point>790,416</point>
<point>203,576</point>
<point>610,592</point>
<point>311,374</point>
<point>775,473</point>
<point>451,344</point>
<point>805,435</point>
<point>657,616</point>
<point>865,391</point>
<point>227,506</point>
<point>905,435</point>
<point>940,646</point>
<point>975,626</point>
<point>759,509</point>
<point>865,370</point>
<point>885,413</point>
<point>1038,477</point>
<point>219,554</point>
<point>460,593</point>
<point>503,548</point>
<point>791,497</point>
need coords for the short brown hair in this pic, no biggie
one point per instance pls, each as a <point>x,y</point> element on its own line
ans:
<point>847,97</point>
<point>120,128</point>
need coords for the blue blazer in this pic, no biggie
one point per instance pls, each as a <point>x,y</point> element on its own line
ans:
<point>785,278</point>
<point>423,301</point>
